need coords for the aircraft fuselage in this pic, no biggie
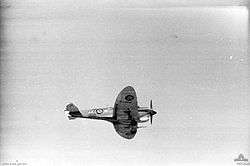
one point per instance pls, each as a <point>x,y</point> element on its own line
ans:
<point>108,114</point>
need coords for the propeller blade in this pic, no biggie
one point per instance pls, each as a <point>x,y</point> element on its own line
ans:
<point>151,118</point>
<point>151,104</point>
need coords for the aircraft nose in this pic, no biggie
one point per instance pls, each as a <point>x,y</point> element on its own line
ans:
<point>154,112</point>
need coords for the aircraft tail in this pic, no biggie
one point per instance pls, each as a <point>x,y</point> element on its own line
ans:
<point>72,111</point>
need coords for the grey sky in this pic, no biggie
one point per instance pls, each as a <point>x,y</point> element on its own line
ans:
<point>191,61</point>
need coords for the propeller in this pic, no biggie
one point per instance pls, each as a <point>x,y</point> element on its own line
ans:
<point>151,105</point>
<point>151,118</point>
<point>152,112</point>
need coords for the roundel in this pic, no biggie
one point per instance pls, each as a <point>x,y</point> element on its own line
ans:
<point>99,111</point>
<point>129,97</point>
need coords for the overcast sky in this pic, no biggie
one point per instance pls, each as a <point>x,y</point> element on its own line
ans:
<point>191,61</point>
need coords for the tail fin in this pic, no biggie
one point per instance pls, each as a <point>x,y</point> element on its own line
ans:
<point>72,111</point>
<point>71,108</point>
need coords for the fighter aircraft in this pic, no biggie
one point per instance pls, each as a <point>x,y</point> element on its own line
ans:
<point>125,115</point>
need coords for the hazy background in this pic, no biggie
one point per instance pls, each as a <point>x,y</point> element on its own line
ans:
<point>191,61</point>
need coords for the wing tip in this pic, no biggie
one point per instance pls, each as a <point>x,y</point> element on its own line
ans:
<point>128,88</point>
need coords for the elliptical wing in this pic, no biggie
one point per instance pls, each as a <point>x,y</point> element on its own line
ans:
<point>126,113</point>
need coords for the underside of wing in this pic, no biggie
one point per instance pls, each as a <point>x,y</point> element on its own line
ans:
<point>126,107</point>
<point>127,131</point>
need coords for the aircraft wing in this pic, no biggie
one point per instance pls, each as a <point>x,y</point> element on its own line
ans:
<point>126,113</point>
<point>127,131</point>
<point>126,108</point>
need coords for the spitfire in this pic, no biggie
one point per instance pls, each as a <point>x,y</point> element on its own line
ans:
<point>125,115</point>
